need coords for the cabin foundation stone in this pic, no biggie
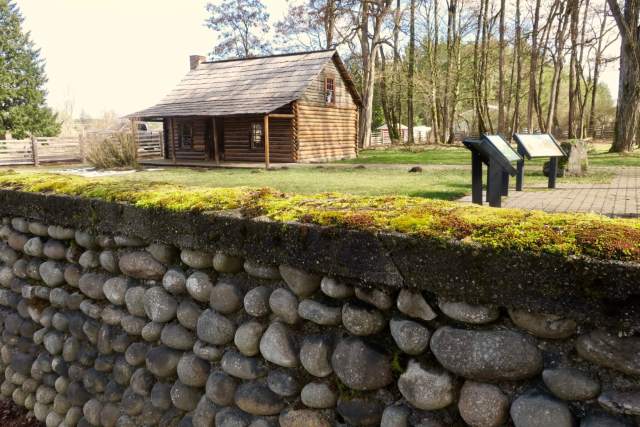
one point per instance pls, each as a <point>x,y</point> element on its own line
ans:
<point>209,319</point>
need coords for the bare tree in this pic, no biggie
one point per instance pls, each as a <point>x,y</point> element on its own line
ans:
<point>411,67</point>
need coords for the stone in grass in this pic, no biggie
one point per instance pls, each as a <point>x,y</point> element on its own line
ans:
<point>411,337</point>
<point>534,409</point>
<point>220,388</point>
<point>319,313</point>
<point>483,405</point>
<point>426,388</point>
<point>318,396</point>
<point>361,366</point>
<point>570,384</point>
<point>414,305</point>
<point>361,411</point>
<point>224,263</point>
<point>196,259</point>
<point>278,346</point>
<point>362,320</point>
<point>303,417</point>
<point>604,349</point>
<point>544,325</point>
<point>491,356</point>
<point>199,286</point>
<point>468,313</point>
<point>214,328</point>
<point>255,398</point>
<point>299,281</point>
<point>141,265</point>
<point>284,304</point>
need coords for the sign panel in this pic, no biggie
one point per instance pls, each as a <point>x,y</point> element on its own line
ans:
<point>505,149</point>
<point>539,145</point>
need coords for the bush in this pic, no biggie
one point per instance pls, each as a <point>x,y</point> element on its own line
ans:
<point>114,151</point>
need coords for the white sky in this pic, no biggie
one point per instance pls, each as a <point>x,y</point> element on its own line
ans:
<point>124,55</point>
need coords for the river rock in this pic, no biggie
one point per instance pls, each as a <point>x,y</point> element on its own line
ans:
<point>192,370</point>
<point>602,420</point>
<point>185,397</point>
<point>141,265</point>
<point>602,348</point>
<point>486,355</point>
<point>226,297</point>
<point>224,263</point>
<point>214,328</point>
<point>196,259</point>
<point>570,384</point>
<point>60,233</point>
<point>109,261</point>
<point>221,388</point>
<point>544,325</point>
<point>55,249</point>
<point>159,306</point>
<point>360,366</point>
<point>255,398</point>
<point>483,405</point>
<point>188,313</point>
<point>261,271</point>
<point>411,337</point>
<point>199,286</point>
<point>318,396</point>
<point>278,346</point>
<point>282,382</point>
<point>165,254</point>
<point>247,337</point>
<point>426,388</point>
<point>177,337</point>
<point>205,413</point>
<point>413,304</point>
<point>162,361</point>
<point>243,367</point>
<point>362,320</point>
<point>621,402</point>
<point>538,410</point>
<point>467,313</point>
<point>285,305</point>
<point>134,299</point>
<point>174,281</point>
<point>302,284</point>
<point>303,417</point>
<point>256,301</point>
<point>315,355</point>
<point>319,313</point>
<point>89,259</point>
<point>335,289</point>
<point>33,247</point>
<point>52,273</point>
<point>360,411</point>
<point>115,289</point>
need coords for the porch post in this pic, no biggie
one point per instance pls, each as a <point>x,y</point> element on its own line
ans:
<point>173,139</point>
<point>214,132</point>
<point>134,134</point>
<point>266,141</point>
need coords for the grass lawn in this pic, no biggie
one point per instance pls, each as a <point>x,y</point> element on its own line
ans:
<point>441,183</point>
<point>598,156</point>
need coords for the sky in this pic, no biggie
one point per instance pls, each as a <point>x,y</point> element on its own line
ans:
<point>125,55</point>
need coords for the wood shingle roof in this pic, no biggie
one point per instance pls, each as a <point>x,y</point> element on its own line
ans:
<point>244,86</point>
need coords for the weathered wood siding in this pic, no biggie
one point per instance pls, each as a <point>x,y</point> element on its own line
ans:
<point>326,131</point>
<point>200,135</point>
<point>237,140</point>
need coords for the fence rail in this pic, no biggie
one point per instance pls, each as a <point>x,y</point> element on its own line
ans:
<point>35,151</point>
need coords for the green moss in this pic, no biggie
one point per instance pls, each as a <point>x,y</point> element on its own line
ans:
<point>500,229</point>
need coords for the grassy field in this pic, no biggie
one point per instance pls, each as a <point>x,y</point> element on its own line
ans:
<point>598,156</point>
<point>436,183</point>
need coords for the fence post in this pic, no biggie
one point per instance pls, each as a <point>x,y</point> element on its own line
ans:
<point>34,151</point>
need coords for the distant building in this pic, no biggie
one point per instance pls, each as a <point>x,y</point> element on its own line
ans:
<point>420,133</point>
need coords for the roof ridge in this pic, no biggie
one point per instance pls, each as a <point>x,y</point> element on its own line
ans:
<point>248,58</point>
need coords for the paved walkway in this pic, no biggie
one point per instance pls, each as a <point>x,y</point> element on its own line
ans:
<point>619,198</point>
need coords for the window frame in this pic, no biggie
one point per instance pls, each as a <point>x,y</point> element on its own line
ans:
<point>252,134</point>
<point>181,134</point>
<point>331,79</point>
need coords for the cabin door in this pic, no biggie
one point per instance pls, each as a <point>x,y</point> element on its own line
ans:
<point>213,146</point>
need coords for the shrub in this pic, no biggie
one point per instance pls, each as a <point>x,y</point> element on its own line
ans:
<point>114,151</point>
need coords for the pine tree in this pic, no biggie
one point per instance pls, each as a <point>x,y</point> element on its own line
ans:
<point>22,79</point>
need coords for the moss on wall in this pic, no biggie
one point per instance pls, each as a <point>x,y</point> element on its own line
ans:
<point>499,229</point>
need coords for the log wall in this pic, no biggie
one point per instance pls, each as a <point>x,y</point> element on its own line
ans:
<point>201,131</point>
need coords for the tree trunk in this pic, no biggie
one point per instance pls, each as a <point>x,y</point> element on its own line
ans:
<point>501,72</point>
<point>596,71</point>
<point>574,6</point>
<point>515,127</point>
<point>410,71</point>
<point>533,66</point>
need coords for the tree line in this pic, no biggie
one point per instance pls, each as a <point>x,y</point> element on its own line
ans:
<point>470,66</point>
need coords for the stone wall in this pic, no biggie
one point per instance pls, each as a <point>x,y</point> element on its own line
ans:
<point>108,329</point>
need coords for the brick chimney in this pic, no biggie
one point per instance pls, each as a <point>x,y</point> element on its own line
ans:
<point>195,60</point>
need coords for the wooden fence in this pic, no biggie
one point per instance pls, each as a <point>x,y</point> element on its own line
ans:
<point>36,151</point>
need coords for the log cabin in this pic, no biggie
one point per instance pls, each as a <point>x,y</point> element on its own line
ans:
<point>298,107</point>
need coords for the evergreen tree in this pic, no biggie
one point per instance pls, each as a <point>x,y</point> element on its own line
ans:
<point>22,79</point>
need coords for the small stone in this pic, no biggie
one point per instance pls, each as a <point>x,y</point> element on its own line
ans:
<point>33,247</point>
<point>602,420</point>
<point>302,284</point>
<point>318,396</point>
<point>360,411</point>
<point>174,281</point>
<point>243,367</point>
<point>162,361</point>
<point>375,297</point>
<point>395,416</point>
<point>621,402</point>
<point>109,261</point>
<point>256,301</point>
<point>335,289</point>
<point>177,337</point>
<point>214,328</point>
<point>60,233</point>
<point>360,366</point>
<point>105,241</point>
<point>319,313</point>
<point>72,274</point>
<point>225,297</point>
<point>17,241</point>
<point>411,337</point>
<point>231,417</point>
<point>38,228</point>
<point>115,289</point>
<point>141,381</point>
<point>544,325</point>
<point>159,306</point>
<point>261,271</point>
<point>426,388</point>
<point>161,395</point>
<point>570,384</point>
<point>255,398</point>
<point>220,388</point>
<point>315,355</point>
<point>207,352</point>
<point>282,382</point>
<point>73,253</point>
<point>205,413</point>
<point>52,273</point>
<point>362,320</point>
<point>467,313</point>
<point>285,305</point>
<point>303,417</point>
<point>278,346</point>
<point>483,405</point>
<point>134,299</point>
<point>199,286</point>
<point>92,410</point>
<point>89,259</point>
<point>413,304</point>
<point>53,342</point>
<point>85,239</point>
<point>537,410</point>
<point>184,397</point>
<point>196,259</point>
<point>91,284</point>
<point>493,356</point>
<point>128,241</point>
<point>247,337</point>
<point>604,349</point>
<point>165,254</point>
<point>141,265</point>
<point>55,249</point>
<point>224,263</point>
<point>188,313</point>
<point>152,331</point>
<point>192,370</point>
<point>133,325</point>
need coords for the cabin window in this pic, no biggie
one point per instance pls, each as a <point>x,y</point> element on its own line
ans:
<point>330,90</point>
<point>186,135</point>
<point>257,135</point>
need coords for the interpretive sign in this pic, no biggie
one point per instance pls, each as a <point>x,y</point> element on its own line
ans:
<point>534,146</point>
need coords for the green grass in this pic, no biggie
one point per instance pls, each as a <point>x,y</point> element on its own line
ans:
<point>500,229</point>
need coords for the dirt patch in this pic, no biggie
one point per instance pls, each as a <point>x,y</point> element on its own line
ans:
<point>12,415</point>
